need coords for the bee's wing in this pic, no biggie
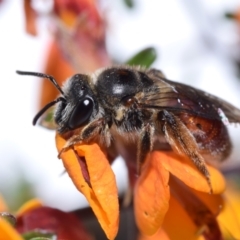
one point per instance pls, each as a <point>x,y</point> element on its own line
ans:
<point>177,97</point>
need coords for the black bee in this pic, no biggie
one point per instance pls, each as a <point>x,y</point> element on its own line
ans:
<point>128,107</point>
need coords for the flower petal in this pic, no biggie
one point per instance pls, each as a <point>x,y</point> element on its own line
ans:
<point>178,224</point>
<point>198,211</point>
<point>30,16</point>
<point>29,206</point>
<point>52,221</point>
<point>229,218</point>
<point>58,67</point>
<point>187,172</point>
<point>161,234</point>
<point>213,201</point>
<point>151,195</point>
<point>7,232</point>
<point>76,8</point>
<point>101,193</point>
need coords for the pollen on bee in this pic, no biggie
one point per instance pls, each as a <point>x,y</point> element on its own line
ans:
<point>119,114</point>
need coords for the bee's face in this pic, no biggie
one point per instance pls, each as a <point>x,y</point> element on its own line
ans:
<point>79,106</point>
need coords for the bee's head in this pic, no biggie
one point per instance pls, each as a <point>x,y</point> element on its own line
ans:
<point>79,105</point>
<point>75,107</point>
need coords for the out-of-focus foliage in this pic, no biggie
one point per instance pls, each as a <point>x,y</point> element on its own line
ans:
<point>129,3</point>
<point>144,58</point>
<point>21,191</point>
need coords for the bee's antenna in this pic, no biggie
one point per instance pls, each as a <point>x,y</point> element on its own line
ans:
<point>42,75</point>
<point>44,109</point>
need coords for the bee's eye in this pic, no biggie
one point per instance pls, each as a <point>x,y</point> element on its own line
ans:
<point>81,113</point>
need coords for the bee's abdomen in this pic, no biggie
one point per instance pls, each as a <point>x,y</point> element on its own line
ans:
<point>211,135</point>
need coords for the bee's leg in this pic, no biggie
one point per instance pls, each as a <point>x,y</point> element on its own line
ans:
<point>88,133</point>
<point>182,140</point>
<point>145,146</point>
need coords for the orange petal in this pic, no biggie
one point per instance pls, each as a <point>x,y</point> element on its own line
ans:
<point>58,67</point>
<point>29,206</point>
<point>198,211</point>
<point>151,196</point>
<point>68,17</point>
<point>229,218</point>
<point>30,16</point>
<point>102,195</point>
<point>7,232</point>
<point>213,201</point>
<point>178,224</point>
<point>85,46</point>
<point>84,7</point>
<point>161,234</point>
<point>238,15</point>
<point>187,172</point>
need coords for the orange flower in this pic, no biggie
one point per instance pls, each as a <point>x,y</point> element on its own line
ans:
<point>30,18</point>
<point>229,218</point>
<point>57,66</point>
<point>162,183</point>
<point>78,43</point>
<point>159,235</point>
<point>171,197</point>
<point>80,34</point>
<point>92,175</point>
<point>67,8</point>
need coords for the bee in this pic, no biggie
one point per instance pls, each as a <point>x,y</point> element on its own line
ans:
<point>124,108</point>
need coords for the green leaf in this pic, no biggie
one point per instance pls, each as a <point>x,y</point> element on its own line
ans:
<point>129,3</point>
<point>42,238</point>
<point>144,58</point>
<point>39,235</point>
<point>17,191</point>
<point>230,15</point>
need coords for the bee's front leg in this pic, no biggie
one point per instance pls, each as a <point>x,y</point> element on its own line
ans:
<point>145,145</point>
<point>87,134</point>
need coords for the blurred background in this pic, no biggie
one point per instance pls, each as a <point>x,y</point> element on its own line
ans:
<point>196,42</point>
